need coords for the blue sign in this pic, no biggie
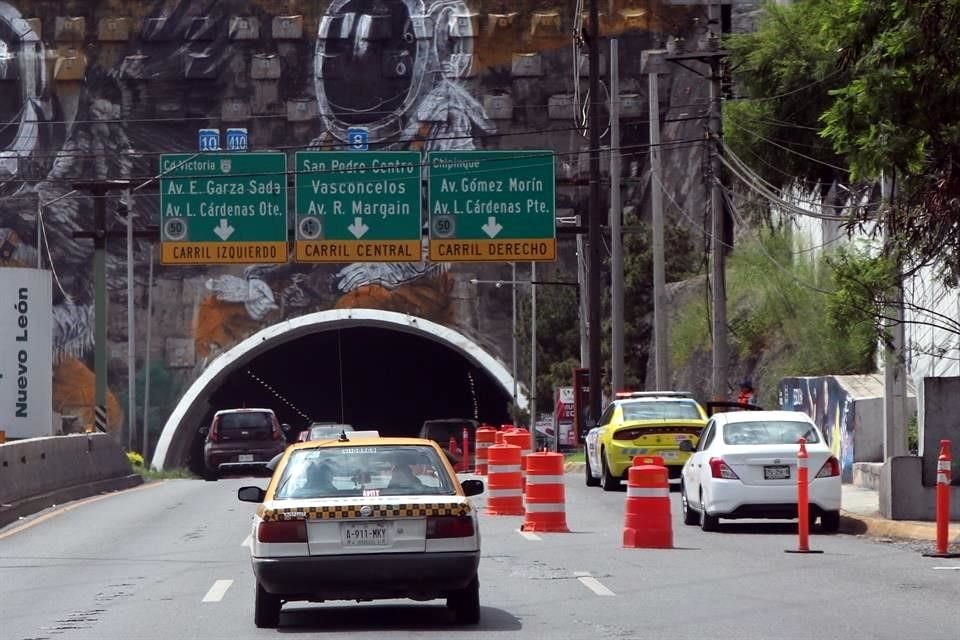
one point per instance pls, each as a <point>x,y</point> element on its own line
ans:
<point>208,139</point>
<point>236,139</point>
<point>358,139</point>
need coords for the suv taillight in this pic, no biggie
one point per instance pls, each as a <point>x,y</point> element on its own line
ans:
<point>282,531</point>
<point>213,436</point>
<point>720,469</point>
<point>276,433</point>
<point>830,468</point>
<point>449,527</point>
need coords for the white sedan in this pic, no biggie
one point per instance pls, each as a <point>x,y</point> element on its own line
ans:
<point>745,466</point>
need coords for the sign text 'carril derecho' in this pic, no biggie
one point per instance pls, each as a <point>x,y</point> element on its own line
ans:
<point>492,206</point>
<point>223,208</point>
<point>358,206</point>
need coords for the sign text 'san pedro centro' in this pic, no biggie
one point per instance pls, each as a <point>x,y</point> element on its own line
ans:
<point>356,206</point>
<point>493,206</point>
<point>223,208</point>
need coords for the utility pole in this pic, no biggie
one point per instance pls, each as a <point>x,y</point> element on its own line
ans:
<point>894,372</point>
<point>146,364</point>
<point>616,229</point>
<point>718,279</point>
<point>131,334</point>
<point>594,230</point>
<point>533,348</point>
<point>98,190</point>
<point>513,326</point>
<point>653,63</point>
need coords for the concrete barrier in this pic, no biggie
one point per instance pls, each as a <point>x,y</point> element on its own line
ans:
<point>40,472</point>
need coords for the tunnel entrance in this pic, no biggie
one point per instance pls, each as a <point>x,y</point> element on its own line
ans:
<point>371,369</point>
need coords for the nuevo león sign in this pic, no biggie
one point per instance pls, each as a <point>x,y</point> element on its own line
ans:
<point>26,352</point>
<point>223,208</point>
<point>492,206</point>
<point>358,206</point>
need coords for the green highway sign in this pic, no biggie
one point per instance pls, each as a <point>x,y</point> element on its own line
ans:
<point>493,206</point>
<point>223,208</point>
<point>358,206</point>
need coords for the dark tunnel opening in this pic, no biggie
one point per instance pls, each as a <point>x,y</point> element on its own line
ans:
<point>368,377</point>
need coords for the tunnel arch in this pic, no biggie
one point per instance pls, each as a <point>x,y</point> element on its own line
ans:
<point>180,427</point>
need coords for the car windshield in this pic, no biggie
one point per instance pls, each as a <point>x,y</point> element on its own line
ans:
<point>244,421</point>
<point>660,410</point>
<point>328,431</point>
<point>769,432</point>
<point>364,470</point>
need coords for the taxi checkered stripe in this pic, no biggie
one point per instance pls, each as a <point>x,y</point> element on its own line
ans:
<point>337,512</point>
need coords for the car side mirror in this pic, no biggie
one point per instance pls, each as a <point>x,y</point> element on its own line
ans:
<point>285,427</point>
<point>204,431</point>
<point>472,487</point>
<point>251,494</point>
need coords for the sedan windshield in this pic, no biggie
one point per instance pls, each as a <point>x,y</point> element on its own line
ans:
<point>333,472</point>
<point>661,410</point>
<point>769,432</point>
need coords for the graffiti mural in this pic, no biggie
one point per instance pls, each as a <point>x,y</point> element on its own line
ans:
<point>98,90</point>
<point>831,407</point>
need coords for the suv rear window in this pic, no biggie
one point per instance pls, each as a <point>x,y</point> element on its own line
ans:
<point>246,421</point>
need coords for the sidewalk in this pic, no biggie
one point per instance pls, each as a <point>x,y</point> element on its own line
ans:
<point>860,515</point>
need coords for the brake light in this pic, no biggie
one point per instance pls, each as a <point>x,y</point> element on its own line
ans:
<point>276,433</point>
<point>282,531</point>
<point>830,468</point>
<point>449,527</point>
<point>214,436</point>
<point>720,469</point>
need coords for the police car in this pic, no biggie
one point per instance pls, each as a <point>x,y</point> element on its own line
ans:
<point>365,518</point>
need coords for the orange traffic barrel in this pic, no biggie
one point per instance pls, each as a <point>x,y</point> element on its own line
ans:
<point>486,436</point>
<point>545,496</point>
<point>521,438</point>
<point>505,495</point>
<point>647,522</point>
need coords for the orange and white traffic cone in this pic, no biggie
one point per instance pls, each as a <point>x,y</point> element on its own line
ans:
<point>944,460</point>
<point>803,501</point>
<point>545,494</point>
<point>647,523</point>
<point>503,480</point>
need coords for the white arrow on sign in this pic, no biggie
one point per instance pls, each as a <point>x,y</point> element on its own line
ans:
<point>492,228</point>
<point>358,228</point>
<point>224,230</point>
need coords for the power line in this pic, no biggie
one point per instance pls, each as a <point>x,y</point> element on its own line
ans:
<point>787,149</point>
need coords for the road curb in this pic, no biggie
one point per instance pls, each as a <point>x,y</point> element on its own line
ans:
<point>573,467</point>
<point>858,524</point>
<point>28,506</point>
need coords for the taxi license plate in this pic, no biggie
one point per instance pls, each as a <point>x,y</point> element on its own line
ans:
<point>370,534</point>
<point>778,472</point>
<point>245,457</point>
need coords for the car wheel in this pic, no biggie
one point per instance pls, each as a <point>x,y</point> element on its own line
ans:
<point>266,609</point>
<point>707,521</point>
<point>607,481</point>
<point>589,480</point>
<point>465,603</point>
<point>690,517</point>
<point>830,521</point>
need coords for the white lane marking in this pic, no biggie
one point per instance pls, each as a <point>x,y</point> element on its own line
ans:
<point>593,584</point>
<point>946,568</point>
<point>217,591</point>
<point>529,535</point>
<point>248,541</point>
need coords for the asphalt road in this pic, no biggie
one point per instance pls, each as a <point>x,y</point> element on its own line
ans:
<point>168,562</point>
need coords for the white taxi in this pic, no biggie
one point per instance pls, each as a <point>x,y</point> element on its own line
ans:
<point>364,519</point>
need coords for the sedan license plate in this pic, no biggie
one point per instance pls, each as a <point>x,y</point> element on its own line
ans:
<point>369,534</point>
<point>245,457</point>
<point>777,472</point>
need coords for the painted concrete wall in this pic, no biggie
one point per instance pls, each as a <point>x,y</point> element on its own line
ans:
<point>98,89</point>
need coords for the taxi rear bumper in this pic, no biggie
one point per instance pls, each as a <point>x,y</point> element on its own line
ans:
<point>421,576</point>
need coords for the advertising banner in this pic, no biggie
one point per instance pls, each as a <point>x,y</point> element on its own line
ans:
<point>563,416</point>
<point>26,353</point>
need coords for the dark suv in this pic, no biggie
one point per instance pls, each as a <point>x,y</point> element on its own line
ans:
<point>241,439</point>
<point>440,431</point>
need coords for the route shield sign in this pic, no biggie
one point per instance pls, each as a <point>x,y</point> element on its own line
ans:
<point>361,206</point>
<point>492,206</point>
<point>223,208</point>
